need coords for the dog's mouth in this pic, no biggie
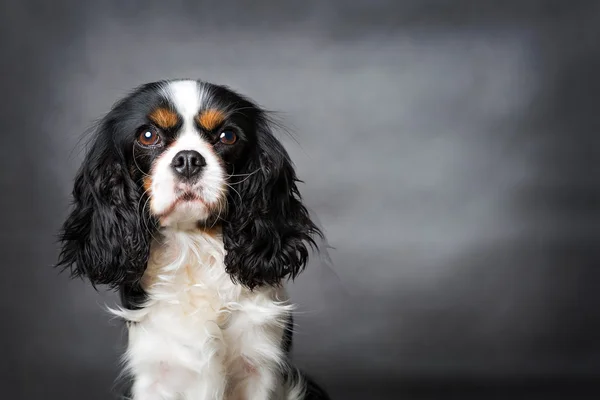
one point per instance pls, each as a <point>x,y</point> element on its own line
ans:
<point>188,197</point>
<point>184,199</point>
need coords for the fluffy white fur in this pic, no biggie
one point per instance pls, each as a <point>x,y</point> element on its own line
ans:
<point>199,335</point>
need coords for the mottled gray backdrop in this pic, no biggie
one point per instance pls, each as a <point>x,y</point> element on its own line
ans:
<point>449,149</point>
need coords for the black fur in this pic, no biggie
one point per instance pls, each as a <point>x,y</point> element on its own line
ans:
<point>268,231</point>
<point>106,236</point>
<point>103,238</point>
<point>288,335</point>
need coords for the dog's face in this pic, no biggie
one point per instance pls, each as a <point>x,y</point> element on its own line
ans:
<point>188,138</point>
<point>186,155</point>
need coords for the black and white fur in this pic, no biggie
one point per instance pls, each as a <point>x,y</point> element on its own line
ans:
<point>199,259</point>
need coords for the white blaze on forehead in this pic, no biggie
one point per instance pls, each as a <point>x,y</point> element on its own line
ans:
<point>187,96</point>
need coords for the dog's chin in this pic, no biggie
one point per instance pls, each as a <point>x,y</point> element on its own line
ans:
<point>186,214</point>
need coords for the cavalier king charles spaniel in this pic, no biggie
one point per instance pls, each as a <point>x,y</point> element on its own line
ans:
<point>187,204</point>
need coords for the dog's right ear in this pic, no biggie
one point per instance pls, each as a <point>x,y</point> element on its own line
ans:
<point>104,238</point>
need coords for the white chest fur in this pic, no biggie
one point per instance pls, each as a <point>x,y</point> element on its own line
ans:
<point>199,335</point>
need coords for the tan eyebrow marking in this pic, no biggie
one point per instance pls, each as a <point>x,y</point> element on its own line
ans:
<point>210,119</point>
<point>164,118</point>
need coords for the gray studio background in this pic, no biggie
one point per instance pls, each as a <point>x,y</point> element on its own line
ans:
<point>448,149</point>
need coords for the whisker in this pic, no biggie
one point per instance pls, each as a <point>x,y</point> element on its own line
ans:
<point>232,188</point>
<point>250,174</point>
<point>218,215</point>
<point>246,178</point>
<point>235,111</point>
<point>142,198</point>
<point>147,220</point>
<point>135,162</point>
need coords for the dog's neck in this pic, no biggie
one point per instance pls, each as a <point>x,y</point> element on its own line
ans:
<point>198,251</point>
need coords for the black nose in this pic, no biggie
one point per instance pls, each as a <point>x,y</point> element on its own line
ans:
<point>188,163</point>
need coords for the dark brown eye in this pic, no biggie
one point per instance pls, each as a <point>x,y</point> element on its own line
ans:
<point>149,137</point>
<point>228,137</point>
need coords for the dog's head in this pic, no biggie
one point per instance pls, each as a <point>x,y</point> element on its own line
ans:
<point>186,155</point>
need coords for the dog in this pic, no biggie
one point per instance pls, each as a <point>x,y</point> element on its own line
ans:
<point>188,206</point>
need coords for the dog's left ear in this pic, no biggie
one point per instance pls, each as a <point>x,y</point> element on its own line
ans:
<point>268,231</point>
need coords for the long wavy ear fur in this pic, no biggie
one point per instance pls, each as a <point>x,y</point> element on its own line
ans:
<point>103,238</point>
<point>268,230</point>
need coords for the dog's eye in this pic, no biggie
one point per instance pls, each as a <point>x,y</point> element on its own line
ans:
<point>149,137</point>
<point>227,137</point>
